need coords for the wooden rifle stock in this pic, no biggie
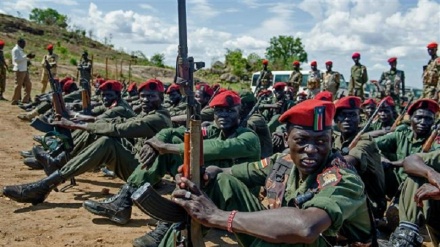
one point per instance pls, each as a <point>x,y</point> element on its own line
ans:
<point>186,152</point>
<point>401,115</point>
<point>428,143</point>
<point>365,128</point>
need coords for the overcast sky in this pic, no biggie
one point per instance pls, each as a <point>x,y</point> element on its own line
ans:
<point>330,29</point>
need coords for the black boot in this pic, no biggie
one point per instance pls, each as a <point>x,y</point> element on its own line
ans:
<point>27,154</point>
<point>32,163</point>
<point>117,208</point>
<point>407,235</point>
<point>49,163</point>
<point>33,192</point>
<point>153,238</point>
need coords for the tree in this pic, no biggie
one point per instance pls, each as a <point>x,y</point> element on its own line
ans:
<point>234,59</point>
<point>254,62</point>
<point>49,17</point>
<point>283,50</point>
<point>158,60</point>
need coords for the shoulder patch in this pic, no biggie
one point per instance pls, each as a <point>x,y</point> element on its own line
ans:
<point>329,177</point>
<point>262,163</point>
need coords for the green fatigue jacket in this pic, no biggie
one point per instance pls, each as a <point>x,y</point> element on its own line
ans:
<point>401,143</point>
<point>340,193</point>
<point>275,114</point>
<point>358,78</point>
<point>257,123</point>
<point>370,169</point>
<point>207,114</point>
<point>179,109</point>
<point>295,80</point>
<point>378,125</point>
<point>241,147</point>
<point>431,77</point>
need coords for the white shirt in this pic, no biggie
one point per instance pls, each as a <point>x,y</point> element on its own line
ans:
<point>19,59</point>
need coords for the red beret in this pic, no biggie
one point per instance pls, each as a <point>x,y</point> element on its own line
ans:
<point>49,47</point>
<point>324,95</point>
<point>296,63</point>
<point>392,59</point>
<point>369,102</point>
<point>132,86</point>
<point>2,42</point>
<point>152,85</point>
<point>99,80</point>
<point>427,104</point>
<point>279,85</point>
<point>65,79</point>
<point>328,63</point>
<point>111,85</point>
<point>432,45</point>
<point>348,102</point>
<point>310,114</point>
<point>173,87</point>
<point>313,63</point>
<point>205,88</point>
<point>264,92</point>
<point>356,54</point>
<point>227,99</point>
<point>67,84</point>
<point>265,61</point>
<point>388,100</point>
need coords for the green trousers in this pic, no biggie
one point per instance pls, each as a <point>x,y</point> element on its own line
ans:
<point>429,214</point>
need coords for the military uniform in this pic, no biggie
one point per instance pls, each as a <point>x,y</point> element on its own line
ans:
<point>314,83</point>
<point>431,78</point>
<point>295,80</point>
<point>53,60</point>
<point>358,79</point>
<point>257,123</point>
<point>429,214</point>
<point>85,68</point>
<point>393,82</point>
<point>330,82</point>
<point>401,143</point>
<point>265,78</point>
<point>2,73</point>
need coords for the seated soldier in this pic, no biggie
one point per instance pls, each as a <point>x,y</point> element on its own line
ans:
<point>116,147</point>
<point>368,107</point>
<point>315,197</point>
<point>176,104</point>
<point>164,152</point>
<point>132,92</point>
<point>420,200</point>
<point>385,115</point>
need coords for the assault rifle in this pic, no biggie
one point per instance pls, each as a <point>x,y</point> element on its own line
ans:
<point>401,115</point>
<point>145,197</point>
<point>243,122</point>
<point>365,128</point>
<point>86,96</point>
<point>428,143</point>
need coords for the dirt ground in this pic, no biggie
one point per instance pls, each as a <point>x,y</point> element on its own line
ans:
<point>60,220</point>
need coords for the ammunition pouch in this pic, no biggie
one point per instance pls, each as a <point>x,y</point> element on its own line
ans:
<point>153,204</point>
<point>276,182</point>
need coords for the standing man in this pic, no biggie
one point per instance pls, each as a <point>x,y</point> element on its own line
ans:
<point>393,81</point>
<point>52,58</point>
<point>330,80</point>
<point>314,81</point>
<point>431,73</point>
<point>85,67</point>
<point>265,77</point>
<point>295,78</point>
<point>358,77</point>
<point>3,69</point>
<point>20,61</point>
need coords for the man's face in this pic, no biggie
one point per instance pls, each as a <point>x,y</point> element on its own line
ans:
<point>393,65</point>
<point>347,120</point>
<point>432,51</point>
<point>296,67</point>
<point>21,44</point>
<point>328,67</point>
<point>109,97</point>
<point>50,51</point>
<point>385,114</point>
<point>313,67</point>
<point>227,117</point>
<point>201,98</point>
<point>279,93</point>
<point>422,121</point>
<point>308,149</point>
<point>356,59</point>
<point>175,97</point>
<point>369,109</point>
<point>150,100</point>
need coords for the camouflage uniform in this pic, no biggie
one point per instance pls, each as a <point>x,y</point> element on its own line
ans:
<point>431,78</point>
<point>330,82</point>
<point>314,83</point>
<point>393,82</point>
<point>295,80</point>
<point>358,79</point>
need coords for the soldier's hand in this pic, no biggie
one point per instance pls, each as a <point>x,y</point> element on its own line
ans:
<point>426,192</point>
<point>211,173</point>
<point>196,203</point>
<point>147,155</point>
<point>65,123</point>
<point>158,145</point>
<point>278,140</point>
<point>434,178</point>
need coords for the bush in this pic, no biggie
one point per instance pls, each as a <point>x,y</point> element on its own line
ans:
<point>73,62</point>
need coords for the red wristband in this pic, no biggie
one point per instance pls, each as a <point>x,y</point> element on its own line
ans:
<point>230,220</point>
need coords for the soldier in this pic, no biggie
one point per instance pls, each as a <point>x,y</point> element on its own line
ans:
<point>281,103</point>
<point>295,78</point>
<point>176,104</point>
<point>314,194</point>
<point>85,67</point>
<point>368,107</point>
<point>358,77</point>
<point>116,146</point>
<point>365,156</point>
<point>386,115</point>
<point>393,82</point>
<point>264,81</point>
<point>431,73</point>
<point>330,80</point>
<point>3,69</point>
<point>301,97</point>
<point>52,58</point>
<point>20,61</point>
<point>419,203</point>
<point>314,80</point>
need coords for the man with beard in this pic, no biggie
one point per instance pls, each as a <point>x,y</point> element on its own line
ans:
<point>404,142</point>
<point>116,147</point>
<point>420,201</point>
<point>314,194</point>
<point>176,104</point>
<point>431,73</point>
<point>365,156</point>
